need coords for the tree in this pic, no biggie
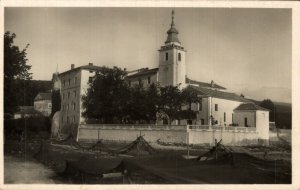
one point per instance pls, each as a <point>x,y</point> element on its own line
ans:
<point>15,68</point>
<point>268,104</point>
<point>106,100</point>
<point>189,96</point>
<point>171,101</point>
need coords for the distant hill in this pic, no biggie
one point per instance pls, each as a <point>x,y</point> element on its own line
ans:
<point>283,114</point>
<point>29,89</point>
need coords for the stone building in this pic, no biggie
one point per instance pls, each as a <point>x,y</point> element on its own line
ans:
<point>43,103</point>
<point>73,85</point>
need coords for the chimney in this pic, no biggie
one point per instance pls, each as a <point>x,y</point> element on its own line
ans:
<point>90,64</point>
<point>72,66</point>
<point>212,83</point>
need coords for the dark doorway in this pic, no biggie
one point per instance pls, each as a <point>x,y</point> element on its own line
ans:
<point>246,122</point>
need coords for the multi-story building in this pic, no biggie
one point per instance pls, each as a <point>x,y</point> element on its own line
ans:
<point>73,85</point>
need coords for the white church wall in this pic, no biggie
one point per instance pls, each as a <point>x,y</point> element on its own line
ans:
<point>239,118</point>
<point>144,80</point>
<point>204,112</point>
<point>224,106</point>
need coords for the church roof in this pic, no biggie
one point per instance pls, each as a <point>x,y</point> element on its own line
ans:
<point>203,84</point>
<point>43,96</point>
<point>219,94</point>
<point>144,72</point>
<point>250,107</point>
<point>172,32</point>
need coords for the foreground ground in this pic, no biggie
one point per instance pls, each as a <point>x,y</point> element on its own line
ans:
<point>63,163</point>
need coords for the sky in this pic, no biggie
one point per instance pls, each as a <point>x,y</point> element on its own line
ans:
<point>246,50</point>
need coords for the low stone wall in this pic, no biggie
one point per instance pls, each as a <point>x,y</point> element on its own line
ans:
<point>151,133</point>
<point>234,138</point>
<point>169,134</point>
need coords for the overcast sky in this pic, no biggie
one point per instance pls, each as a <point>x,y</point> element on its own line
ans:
<point>246,50</point>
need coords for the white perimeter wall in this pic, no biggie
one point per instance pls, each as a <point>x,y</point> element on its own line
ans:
<point>178,134</point>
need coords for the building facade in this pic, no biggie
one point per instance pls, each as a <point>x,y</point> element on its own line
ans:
<point>73,85</point>
<point>43,103</point>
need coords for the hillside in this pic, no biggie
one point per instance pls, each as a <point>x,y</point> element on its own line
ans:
<point>29,89</point>
<point>283,114</point>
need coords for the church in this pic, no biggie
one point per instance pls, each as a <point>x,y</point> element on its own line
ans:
<point>217,106</point>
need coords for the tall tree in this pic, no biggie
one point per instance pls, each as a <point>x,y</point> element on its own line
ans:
<point>15,68</point>
<point>171,101</point>
<point>268,104</point>
<point>107,97</point>
<point>189,97</point>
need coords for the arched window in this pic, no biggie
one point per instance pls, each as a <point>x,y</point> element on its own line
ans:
<point>179,56</point>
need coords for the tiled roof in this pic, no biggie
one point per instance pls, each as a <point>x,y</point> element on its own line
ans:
<point>203,84</point>
<point>218,94</point>
<point>249,106</point>
<point>144,72</point>
<point>84,67</point>
<point>43,96</point>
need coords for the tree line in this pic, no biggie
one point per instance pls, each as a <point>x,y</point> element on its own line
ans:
<point>110,99</point>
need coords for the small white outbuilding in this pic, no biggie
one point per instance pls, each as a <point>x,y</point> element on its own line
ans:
<point>252,115</point>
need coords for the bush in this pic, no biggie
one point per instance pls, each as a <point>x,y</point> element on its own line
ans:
<point>28,127</point>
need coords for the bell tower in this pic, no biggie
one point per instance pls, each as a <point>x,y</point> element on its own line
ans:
<point>172,68</point>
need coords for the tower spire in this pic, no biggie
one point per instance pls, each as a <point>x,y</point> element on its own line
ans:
<point>172,24</point>
<point>172,32</point>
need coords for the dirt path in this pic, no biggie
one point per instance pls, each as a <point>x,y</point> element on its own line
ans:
<point>20,171</point>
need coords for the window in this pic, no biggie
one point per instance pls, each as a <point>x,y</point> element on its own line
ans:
<point>232,118</point>
<point>167,56</point>
<point>216,107</point>
<point>200,106</point>
<point>179,56</point>
<point>149,80</point>
<point>75,80</point>
<point>68,119</point>
<point>91,71</point>
<point>75,94</point>
<point>63,96</point>
<point>74,105</point>
<point>246,122</point>
<point>90,79</point>
<point>64,83</point>
<point>224,117</point>
<point>49,105</point>
<point>62,107</point>
<point>73,119</point>
<point>69,82</point>
<point>68,107</point>
<point>140,81</point>
<point>69,95</point>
